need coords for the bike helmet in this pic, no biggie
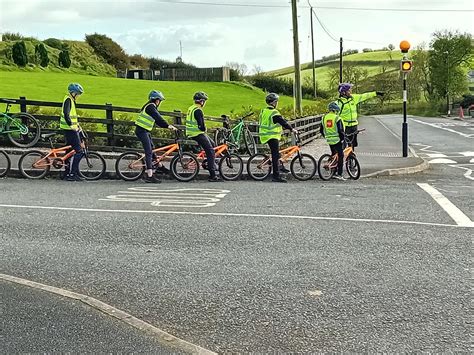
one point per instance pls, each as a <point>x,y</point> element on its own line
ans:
<point>156,95</point>
<point>75,88</point>
<point>344,87</point>
<point>271,97</point>
<point>333,106</point>
<point>200,95</point>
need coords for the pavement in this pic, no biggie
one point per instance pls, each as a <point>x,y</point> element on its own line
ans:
<point>379,153</point>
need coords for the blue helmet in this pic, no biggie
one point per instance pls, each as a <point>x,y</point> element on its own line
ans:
<point>156,95</point>
<point>333,106</point>
<point>344,87</point>
<point>75,88</point>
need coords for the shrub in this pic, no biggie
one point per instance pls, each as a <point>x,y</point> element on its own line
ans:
<point>64,59</point>
<point>54,43</point>
<point>42,55</point>
<point>19,54</point>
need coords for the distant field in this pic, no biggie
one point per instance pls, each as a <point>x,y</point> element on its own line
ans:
<point>224,98</point>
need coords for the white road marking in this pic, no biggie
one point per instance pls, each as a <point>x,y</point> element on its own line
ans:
<point>467,154</point>
<point>471,161</point>
<point>162,336</point>
<point>436,155</point>
<point>455,213</point>
<point>442,161</point>
<point>467,174</point>
<point>442,126</point>
<point>186,197</point>
<point>224,214</point>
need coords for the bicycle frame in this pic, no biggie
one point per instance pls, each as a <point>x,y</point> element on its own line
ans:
<point>53,155</point>
<point>220,150</point>
<point>168,150</point>
<point>5,118</point>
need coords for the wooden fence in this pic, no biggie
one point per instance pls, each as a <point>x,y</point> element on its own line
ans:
<point>110,134</point>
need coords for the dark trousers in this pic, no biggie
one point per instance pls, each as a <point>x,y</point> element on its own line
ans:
<point>208,145</point>
<point>337,148</point>
<point>145,137</point>
<point>73,139</point>
<point>350,130</point>
<point>274,145</point>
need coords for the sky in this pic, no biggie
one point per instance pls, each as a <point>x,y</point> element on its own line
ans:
<point>257,32</point>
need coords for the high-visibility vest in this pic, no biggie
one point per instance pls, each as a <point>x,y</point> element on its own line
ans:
<point>329,123</point>
<point>72,115</point>
<point>267,129</point>
<point>144,120</point>
<point>348,107</point>
<point>192,128</point>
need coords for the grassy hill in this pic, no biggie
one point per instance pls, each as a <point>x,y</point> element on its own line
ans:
<point>83,59</point>
<point>225,98</point>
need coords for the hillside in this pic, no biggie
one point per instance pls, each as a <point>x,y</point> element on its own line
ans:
<point>83,59</point>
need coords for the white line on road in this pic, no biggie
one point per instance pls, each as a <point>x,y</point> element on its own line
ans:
<point>162,336</point>
<point>467,174</point>
<point>455,213</point>
<point>443,128</point>
<point>316,218</point>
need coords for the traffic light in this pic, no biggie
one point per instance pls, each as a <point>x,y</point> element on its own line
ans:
<point>406,65</point>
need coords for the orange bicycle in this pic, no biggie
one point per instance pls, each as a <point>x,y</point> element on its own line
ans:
<point>327,164</point>
<point>230,165</point>
<point>302,167</point>
<point>35,164</point>
<point>130,166</point>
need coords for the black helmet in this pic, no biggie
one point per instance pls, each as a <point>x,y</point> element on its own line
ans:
<point>271,97</point>
<point>200,95</point>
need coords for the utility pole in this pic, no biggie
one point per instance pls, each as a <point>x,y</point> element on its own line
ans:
<point>340,60</point>
<point>296,49</point>
<point>180,50</point>
<point>312,50</point>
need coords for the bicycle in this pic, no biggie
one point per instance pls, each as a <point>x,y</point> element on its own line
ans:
<point>5,163</point>
<point>236,135</point>
<point>302,167</point>
<point>230,164</point>
<point>184,167</point>
<point>327,164</point>
<point>36,164</point>
<point>22,129</point>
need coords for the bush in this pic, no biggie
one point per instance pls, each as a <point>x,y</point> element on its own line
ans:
<point>64,59</point>
<point>467,101</point>
<point>111,51</point>
<point>42,55</point>
<point>19,54</point>
<point>9,36</point>
<point>158,63</point>
<point>366,50</point>
<point>54,43</point>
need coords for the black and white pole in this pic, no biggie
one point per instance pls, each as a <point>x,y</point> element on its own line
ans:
<point>405,124</point>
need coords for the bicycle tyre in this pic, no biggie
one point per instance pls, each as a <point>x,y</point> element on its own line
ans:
<point>189,163</point>
<point>255,169</point>
<point>353,167</point>
<point>92,167</point>
<point>5,164</point>
<point>220,136</point>
<point>249,142</point>
<point>325,173</point>
<point>303,161</point>
<point>129,173</point>
<point>229,162</point>
<point>26,162</point>
<point>34,131</point>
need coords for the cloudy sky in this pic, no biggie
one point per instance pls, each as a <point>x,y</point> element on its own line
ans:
<point>254,32</point>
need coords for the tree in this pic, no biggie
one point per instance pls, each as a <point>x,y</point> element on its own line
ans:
<point>106,48</point>
<point>420,78</point>
<point>449,57</point>
<point>391,47</point>
<point>237,70</point>
<point>41,55</point>
<point>351,73</point>
<point>138,61</point>
<point>64,59</point>
<point>19,54</point>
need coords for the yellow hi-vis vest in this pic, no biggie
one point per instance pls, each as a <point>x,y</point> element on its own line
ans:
<point>144,120</point>
<point>269,130</point>
<point>72,114</point>
<point>348,107</point>
<point>330,128</point>
<point>192,129</point>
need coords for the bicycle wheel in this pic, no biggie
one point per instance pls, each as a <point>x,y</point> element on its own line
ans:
<point>259,167</point>
<point>26,130</point>
<point>303,167</point>
<point>249,141</point>
<point>130,166</point>
<point>92,166</point>
<point>5,164</point>
<point>353,167</point>
<point>220,136</point>
<point>34,165</point>
<point>325,172</point>
<point>231,167</point>
<point>184,167</point>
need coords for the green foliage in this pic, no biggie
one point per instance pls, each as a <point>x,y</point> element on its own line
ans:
<point>158,63</point>
<point>64,59</point>
<point>111,51</point>
<point>19,54</point>
<point>42,55</point>
<point>467,101</point>
<point>138,61</point>
<point>10,36</point>
<point>54,43</point>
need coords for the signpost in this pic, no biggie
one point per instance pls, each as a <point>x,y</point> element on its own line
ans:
<point>406,66</point>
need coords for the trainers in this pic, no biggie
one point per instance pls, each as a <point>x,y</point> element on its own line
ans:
<point>283,169</point>
<point>214,179</point>
<point>339,177</point>
<point>71,177</point>
<point>151,179</point>
<point>278,179</point>
<point>162,169</point>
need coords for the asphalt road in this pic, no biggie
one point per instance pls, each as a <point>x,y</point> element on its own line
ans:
<point>375,265</point>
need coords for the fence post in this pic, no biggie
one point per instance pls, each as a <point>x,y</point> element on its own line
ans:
<point>109,115</point>
<point>178,119</point>
<point>22,104</point>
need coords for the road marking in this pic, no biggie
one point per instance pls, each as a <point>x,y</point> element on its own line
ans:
<point>442,161</point>
<point>467,154</point>
<point>455,213</point>
<point>186,197</point>
<point>162,336</point>
<point>441,126</point>
<point>224,214</point>
<point>436,155</point>
<point>471,161</point>
<point>467,174</point>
